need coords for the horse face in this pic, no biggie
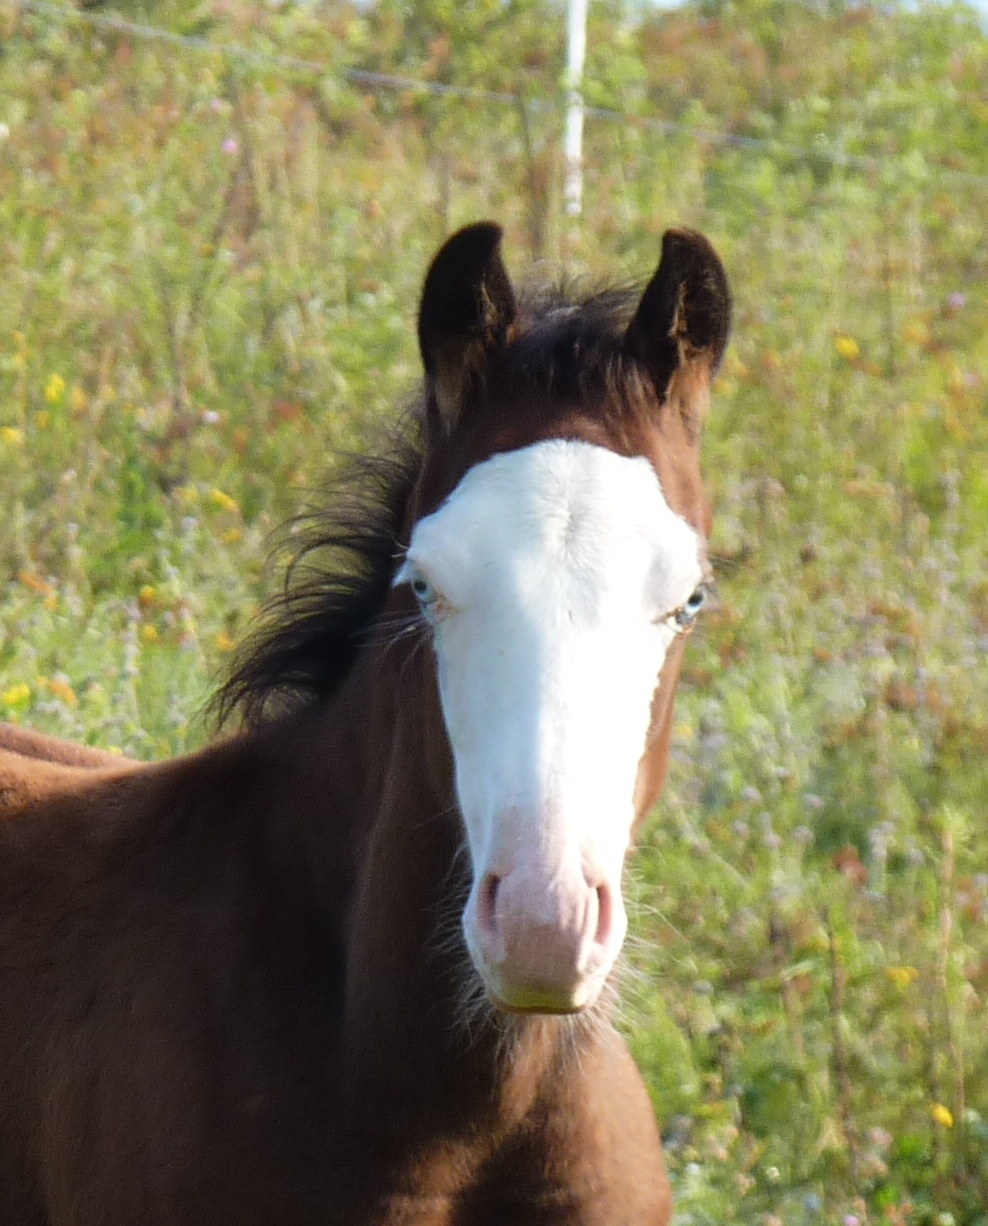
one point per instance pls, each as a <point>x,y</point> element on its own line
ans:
<point>554,579</point>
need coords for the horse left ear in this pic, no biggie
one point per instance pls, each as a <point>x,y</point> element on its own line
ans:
<point>467,307</point>
<point>680,329</point>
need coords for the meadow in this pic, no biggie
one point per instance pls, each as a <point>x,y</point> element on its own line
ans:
<point>211,255</point>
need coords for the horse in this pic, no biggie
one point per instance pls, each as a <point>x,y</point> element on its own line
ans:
<point>352,963</point>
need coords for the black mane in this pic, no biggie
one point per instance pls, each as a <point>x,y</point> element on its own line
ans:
<point>343,558</point>
<point>343,555</point>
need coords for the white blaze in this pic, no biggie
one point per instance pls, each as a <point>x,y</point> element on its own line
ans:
<point>550,576</point>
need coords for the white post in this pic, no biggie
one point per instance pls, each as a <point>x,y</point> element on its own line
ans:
<point>576,53</point>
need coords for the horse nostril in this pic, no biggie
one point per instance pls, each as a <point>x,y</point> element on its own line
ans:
<point>605,915</point>
<point>487,903</point>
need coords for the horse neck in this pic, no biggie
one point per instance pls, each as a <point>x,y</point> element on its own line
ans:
<point>376,771</point>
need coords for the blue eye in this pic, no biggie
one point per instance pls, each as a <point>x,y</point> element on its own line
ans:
<point>425,593</point>
<point>685,615</point>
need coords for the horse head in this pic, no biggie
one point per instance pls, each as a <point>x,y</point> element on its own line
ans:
<point>556,554</point>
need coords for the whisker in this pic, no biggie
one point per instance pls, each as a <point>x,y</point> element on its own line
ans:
<point>439,815</point>
<point>399,622</point>
<point>416,648</point>
<point>399,629</point>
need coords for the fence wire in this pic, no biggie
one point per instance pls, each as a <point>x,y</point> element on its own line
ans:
<point>387,82</point>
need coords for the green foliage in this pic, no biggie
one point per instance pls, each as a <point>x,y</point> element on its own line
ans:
<point>211,266</point>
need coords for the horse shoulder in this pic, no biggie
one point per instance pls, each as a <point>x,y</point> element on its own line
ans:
<point>56,824</point>
<point>37,792</point>
<point>121,988</point>
<point>37,746</point>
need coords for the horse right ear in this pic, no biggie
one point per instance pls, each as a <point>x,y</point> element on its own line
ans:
<point>467,307</point>
<point>680,329</point>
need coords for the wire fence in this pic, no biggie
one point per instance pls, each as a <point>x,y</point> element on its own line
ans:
<point>378,82</point>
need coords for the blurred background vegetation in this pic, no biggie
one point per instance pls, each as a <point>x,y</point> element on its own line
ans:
<point>212,236</point>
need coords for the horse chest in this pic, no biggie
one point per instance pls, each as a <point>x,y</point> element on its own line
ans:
<point>584,1151</point>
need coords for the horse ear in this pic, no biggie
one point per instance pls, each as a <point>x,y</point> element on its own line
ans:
<point>680,329</point>
<point>467,307</point>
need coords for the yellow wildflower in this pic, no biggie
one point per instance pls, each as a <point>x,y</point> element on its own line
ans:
<point>17,696</point>
<point>147,596</point>
<point>223,501</point>
<point>60,687</point>
<point>942,1115</point>
<point>148,633</point>
<point>185,495</point>
<point>224,642</point>
<point>11,435</point>
<point>847,347</point>
<point>902,976</point>
<point>54,388</point>
<point>231,537</point>
<point>915,332</point>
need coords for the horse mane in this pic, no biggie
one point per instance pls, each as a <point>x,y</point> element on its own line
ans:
<point>342,558</point>
<point>343,554</point>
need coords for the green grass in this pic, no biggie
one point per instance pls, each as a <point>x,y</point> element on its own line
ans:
<point>211,270</point>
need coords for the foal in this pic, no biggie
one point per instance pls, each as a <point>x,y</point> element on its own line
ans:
<point>348,967</point>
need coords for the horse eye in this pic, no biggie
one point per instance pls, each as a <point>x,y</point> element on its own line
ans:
<point>425,593</point>
<point>685,615</point>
